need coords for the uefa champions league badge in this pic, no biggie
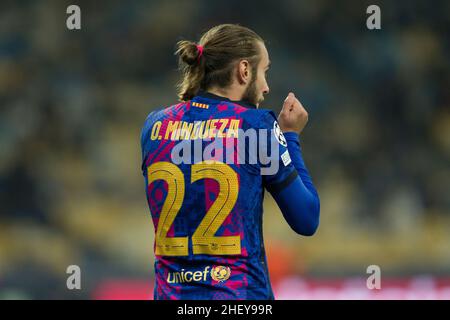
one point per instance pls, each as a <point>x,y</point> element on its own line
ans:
<point>279,134</point>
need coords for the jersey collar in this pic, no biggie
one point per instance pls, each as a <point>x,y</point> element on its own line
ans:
<point>208,95</point>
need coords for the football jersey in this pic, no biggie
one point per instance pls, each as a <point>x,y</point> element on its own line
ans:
<point>205,194</point>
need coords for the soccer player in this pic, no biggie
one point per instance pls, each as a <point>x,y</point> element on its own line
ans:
<point>207,209</point>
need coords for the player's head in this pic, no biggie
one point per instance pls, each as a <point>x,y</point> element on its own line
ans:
<point>227,56</point>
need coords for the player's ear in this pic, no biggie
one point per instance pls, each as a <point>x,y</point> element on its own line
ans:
<point>244,72</point>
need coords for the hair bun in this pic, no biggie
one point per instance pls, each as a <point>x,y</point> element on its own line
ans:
<point>188,52</point>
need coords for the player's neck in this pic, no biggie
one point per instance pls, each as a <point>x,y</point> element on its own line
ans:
<point>232,93</point>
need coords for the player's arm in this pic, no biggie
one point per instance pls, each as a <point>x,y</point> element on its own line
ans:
<point>298,199</point>
<point>295,193</point>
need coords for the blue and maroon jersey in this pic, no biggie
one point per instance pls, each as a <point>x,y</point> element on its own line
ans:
<point>205,202</point>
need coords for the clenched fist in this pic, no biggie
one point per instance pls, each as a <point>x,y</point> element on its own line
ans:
<point>293,117</point>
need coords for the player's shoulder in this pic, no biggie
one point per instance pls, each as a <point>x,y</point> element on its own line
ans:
<point>165,112</point>
<point>259,118</point>
<point>159,114</point>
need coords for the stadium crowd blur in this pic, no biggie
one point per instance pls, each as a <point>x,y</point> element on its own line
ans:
<point>72,104</point>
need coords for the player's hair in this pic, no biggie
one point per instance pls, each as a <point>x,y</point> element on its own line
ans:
<point>223,46</point>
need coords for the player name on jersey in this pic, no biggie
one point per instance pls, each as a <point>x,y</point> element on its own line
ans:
<point>207,129</point>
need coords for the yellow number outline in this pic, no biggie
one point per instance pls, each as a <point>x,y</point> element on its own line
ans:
<point>204,240</point>
<point>169,246</point>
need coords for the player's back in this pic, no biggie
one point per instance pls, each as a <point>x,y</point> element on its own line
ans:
<point>205,196</point>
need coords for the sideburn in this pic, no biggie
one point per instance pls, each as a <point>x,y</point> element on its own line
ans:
<point>250,93</point>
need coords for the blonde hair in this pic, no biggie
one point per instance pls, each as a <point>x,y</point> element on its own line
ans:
<point>212,65</point>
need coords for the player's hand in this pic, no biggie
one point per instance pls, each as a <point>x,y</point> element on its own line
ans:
<point>293,117</point>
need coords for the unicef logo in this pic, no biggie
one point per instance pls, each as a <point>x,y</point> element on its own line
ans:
<point>220,273</point>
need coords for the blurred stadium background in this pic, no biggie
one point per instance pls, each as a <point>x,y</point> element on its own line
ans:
<point>378,143</point>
